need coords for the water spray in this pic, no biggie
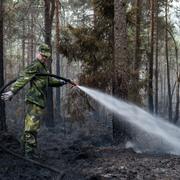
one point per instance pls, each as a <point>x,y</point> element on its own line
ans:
<point>166,134</point>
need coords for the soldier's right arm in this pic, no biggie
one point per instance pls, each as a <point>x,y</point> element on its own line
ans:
<point>24,77</point>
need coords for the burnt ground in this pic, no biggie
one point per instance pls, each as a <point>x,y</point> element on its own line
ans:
<point>84,158</point>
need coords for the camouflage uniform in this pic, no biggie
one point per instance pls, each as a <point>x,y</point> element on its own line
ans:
<point>35,99</point>
<point>32,126</point>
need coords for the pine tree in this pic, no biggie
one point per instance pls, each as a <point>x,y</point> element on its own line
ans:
<point>120,65</point>
<point>49,9</point>
<point>2,105</point>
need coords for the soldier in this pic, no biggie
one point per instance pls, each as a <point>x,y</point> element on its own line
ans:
<point>35,97</point>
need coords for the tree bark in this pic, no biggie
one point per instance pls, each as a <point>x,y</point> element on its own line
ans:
<point>167,62</point>
<point>58,90</point>
<point>3,126</point>
<point>120,65</point>
<point>176,116</point>
<point>151,59</point>
<point>137,54</point>
<point>32,34</point>
<point>23,43</point>
<point>156,58</point>
<point>48,18</point>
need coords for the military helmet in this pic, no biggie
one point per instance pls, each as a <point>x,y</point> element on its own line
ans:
<point>44,49</point>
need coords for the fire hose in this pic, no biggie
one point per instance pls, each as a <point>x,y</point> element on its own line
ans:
<point>38,74</point>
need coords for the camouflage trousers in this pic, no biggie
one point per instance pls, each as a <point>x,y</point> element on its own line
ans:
<point>31,127</point>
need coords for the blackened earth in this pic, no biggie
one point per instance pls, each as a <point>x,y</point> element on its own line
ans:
<point>84,158</point>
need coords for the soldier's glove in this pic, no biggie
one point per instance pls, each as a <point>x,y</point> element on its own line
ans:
<point>7,95</point>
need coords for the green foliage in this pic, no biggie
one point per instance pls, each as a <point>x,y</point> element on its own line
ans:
<point>93,46</point>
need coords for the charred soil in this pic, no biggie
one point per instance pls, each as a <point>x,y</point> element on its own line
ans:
<point>83,160</point>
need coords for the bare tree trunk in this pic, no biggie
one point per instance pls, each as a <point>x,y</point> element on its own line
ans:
<point>22,65</point>
<point>23,43</point>
<point>161,90</point>
<point>32,35</point>
<point>3,126</point>
<point>156,59</point>
<point>58,90</point>
<point>120,65</point>
<point>137,56</point>
<point>49,14</point>
<point>29,40</point>
<point>151,58</point>
<point>176,117</point>
<point>164,90</point>
<point>167,62</point>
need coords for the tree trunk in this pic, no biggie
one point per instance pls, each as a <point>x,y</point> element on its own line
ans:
<point>23,43</point>
<point>120,65</point>
<point>137,55</point>
<point>167,62</point>
<point>29,41</point>
<point>49,14</point>
<point>58,90</point>
<point>3,126</point>
<point>176,117</point>
<point>150,83</point>
<point>32,35</point>
<point>156,58</point>
<point>164,91</point>
<point>161,90</point>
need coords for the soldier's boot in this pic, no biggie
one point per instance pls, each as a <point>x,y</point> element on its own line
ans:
<point>30,146</point>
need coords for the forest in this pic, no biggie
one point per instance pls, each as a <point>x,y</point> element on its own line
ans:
<point>114,110</point>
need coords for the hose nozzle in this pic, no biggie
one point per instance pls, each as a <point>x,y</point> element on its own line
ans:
<point>71,82</point>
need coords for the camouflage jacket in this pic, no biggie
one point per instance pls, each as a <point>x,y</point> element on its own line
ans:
<point>37,93</point>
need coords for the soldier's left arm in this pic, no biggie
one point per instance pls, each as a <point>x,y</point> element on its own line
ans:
<point>56,83</point>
